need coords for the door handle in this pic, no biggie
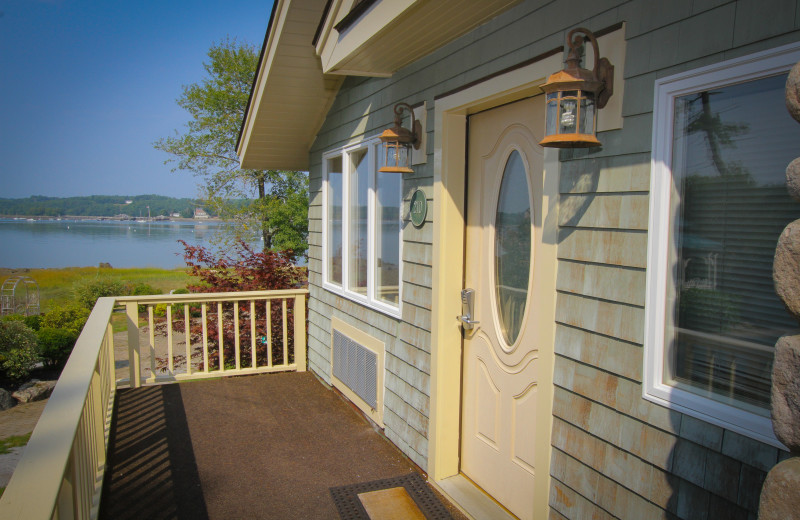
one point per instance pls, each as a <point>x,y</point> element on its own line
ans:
<point>467,309</point>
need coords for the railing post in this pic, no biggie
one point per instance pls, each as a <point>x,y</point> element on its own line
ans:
<point>300,332</point>
<point>132,312</point>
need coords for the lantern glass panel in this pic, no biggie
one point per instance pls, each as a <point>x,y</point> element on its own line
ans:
<point>569,112</point>
<point>391,153</point>
<point>387,150</point>
<point>397,156</point>
<point>552,114</point>
<point>587,114</point>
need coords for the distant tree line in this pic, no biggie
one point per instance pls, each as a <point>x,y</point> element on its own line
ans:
<point>100,206</point>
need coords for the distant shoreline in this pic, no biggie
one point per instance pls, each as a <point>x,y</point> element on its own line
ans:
<point>113,219</point>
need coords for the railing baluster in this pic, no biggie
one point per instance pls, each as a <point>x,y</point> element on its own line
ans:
<point>220,349</point>
<point>80,466</point>
<point>253,333</point>
<point>236,334</point>
<point>300,332</point>
<point>285,333</point>
<point>98,424</point>
<point>132,312</point>
<point>152,331</point>
<point>171,362</point>
<point>205,339</point>
<point>65,504</point>
<point>269,333</point>
<point>187,331</point>
<point>110,355</point>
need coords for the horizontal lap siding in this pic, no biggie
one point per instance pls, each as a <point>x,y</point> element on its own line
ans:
<point>407,340</point>
<point>614,453</point>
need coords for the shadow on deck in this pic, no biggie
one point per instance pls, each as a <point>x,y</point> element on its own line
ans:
<point>266,446</point>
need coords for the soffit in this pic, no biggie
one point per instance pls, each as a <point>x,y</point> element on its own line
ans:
<point>290,94</point>
<point>391,34</point>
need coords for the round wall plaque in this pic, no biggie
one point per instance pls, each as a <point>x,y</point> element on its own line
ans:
<point>419,208</point>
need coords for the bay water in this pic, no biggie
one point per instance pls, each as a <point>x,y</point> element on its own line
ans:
<point>80,243</point>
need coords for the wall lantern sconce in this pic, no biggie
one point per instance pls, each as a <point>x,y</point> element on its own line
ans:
<point>574,95</point>
<point>397,142</point>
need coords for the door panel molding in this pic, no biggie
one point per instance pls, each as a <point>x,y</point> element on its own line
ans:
<point>449,146</point>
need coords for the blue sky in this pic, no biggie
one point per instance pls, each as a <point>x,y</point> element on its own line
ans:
<point>86,87</point>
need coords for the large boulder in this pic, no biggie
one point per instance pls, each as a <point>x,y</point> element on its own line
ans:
<point>786,392</point>
<point>786,268</point>
<point>34,391</point>
<point>780,498</point>
<point>793,179</point>
<point>793,92</point>
<point>6,401</point>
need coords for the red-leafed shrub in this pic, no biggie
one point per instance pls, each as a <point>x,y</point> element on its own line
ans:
<point>242,269</point>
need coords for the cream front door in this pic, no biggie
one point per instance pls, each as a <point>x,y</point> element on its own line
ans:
<point>505,425</point>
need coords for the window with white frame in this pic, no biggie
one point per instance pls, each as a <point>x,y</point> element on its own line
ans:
<point>362,223</point>
<point>722,139</point>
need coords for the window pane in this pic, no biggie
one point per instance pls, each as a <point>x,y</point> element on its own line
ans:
<point>359,179</point>
<point>512,247</point>
<point>388,220</point>
<point>731,148</point>
<point>334,221</point>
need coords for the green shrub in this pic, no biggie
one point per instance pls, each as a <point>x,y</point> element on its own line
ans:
<point>88,291</point>
<point>160,310</point>
<point>182,290</point>
<point>17,350</point>
<point>142,289</point>
<point>70,317</point>
<point>55,345</point>
<point>32,321</point>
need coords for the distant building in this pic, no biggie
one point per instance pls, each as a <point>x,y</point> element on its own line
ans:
<point>128,202</point>
<point>200,213</point>
<point>175,215</point>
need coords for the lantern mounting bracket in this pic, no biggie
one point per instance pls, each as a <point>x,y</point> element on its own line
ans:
<point>603,70</point>
<point>413,136</point>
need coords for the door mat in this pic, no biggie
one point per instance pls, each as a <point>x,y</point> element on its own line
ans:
<point>350,507</point>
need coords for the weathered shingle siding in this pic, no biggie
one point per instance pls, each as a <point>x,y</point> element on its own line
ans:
<point>614,453</point>
<point>407,341</point>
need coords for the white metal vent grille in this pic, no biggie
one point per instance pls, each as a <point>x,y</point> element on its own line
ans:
<point>357,367</point>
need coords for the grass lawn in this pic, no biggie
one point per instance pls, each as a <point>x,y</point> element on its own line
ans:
<point>12,442</point>
<point>55,285</point>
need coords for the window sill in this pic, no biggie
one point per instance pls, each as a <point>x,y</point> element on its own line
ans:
<point>392,312</point>
<point>746,423</point>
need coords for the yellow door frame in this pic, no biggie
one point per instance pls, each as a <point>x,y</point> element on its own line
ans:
<point>450,141</point>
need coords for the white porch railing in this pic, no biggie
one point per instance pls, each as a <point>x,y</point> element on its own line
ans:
<point>60,475</point>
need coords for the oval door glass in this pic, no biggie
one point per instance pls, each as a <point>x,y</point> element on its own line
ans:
<point>512,247</point>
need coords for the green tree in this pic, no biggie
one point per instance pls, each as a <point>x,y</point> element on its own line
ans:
<point>275,202</point>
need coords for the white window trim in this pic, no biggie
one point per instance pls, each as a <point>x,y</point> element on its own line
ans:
<point>370,300</point>
<point>751,67</point>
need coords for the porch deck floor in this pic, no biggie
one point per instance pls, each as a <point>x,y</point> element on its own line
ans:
<point>267,446</point>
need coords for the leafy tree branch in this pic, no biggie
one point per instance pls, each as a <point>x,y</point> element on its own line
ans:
<point>275,202</point>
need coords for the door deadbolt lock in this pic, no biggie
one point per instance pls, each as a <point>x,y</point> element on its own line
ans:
<point>467,309</point>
